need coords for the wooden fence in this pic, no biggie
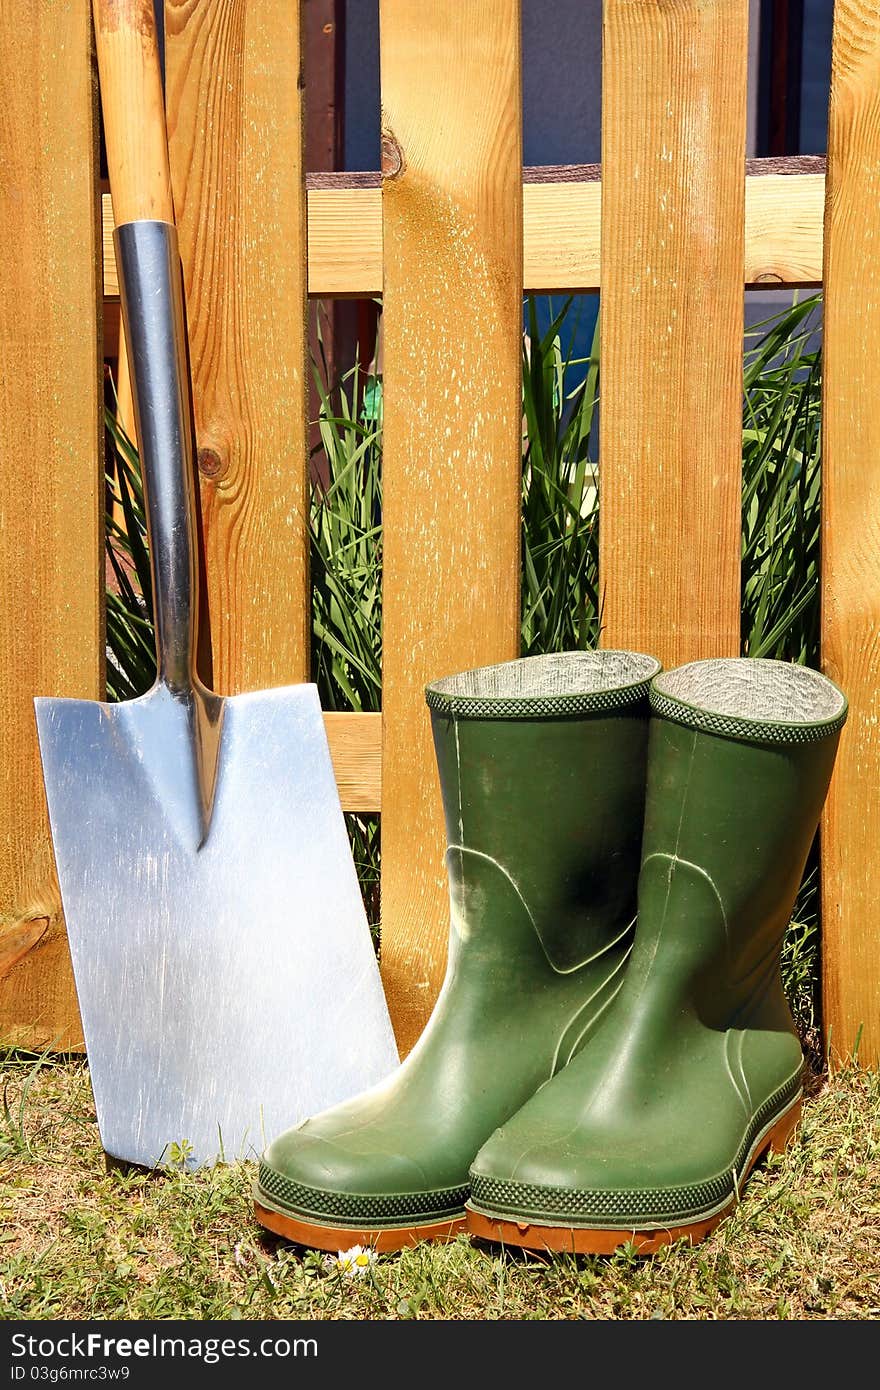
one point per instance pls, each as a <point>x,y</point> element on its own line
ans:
<point>450,235</point>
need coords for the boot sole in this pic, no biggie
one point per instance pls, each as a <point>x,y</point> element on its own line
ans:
<point>582,1240</point>
<point>343,1237</point>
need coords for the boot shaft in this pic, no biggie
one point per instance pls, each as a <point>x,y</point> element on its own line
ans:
<point>542,773</point>
<point>740,757</point>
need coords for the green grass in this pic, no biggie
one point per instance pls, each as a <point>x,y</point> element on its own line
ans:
<point>782,487</point>
<point>560,605</point>
<point>78,1242</point>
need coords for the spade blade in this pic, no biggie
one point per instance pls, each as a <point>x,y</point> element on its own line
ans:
<point>226,977</point>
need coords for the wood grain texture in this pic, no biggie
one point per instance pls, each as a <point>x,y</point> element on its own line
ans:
<point>345,242</point>
<point>673,148</point>
<point>851,532</point>
<point>783,240</point>
<point>133,109</point>
<point>356,749</point>
<point>561,230</point>
<point>561,235</point>
<point>234,107</point>
<point>452,445</point>
<point>51,618</point>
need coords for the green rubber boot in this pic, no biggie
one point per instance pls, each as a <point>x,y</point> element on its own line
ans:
<point>649,1134</point>
<point>542,772</point>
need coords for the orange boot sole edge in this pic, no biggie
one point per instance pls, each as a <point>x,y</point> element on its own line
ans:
<point>344,1237</point>
<point>584,1240</point>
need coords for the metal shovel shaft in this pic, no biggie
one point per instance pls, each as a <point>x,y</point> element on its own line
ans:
<point>152,302</point>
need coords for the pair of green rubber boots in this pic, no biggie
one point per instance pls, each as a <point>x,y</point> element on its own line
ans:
<point>611,1050</point>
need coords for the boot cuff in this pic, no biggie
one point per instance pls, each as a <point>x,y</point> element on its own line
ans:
<point>546,687</point>
<point>751,698</point>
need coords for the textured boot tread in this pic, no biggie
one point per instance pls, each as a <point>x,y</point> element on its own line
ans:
<point>274,1187</point>
<point>496,1196</point>
<point>537,708</point>
<point>731,726</point>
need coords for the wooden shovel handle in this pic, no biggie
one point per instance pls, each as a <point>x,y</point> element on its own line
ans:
<point>134,110</point>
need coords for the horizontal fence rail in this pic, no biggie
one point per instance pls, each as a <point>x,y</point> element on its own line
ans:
<point>785,201</point>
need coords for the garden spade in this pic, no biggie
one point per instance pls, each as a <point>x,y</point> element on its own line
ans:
<point>226,977</point>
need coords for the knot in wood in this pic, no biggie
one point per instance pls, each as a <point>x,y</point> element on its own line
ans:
<point>393,163</point>
<point>212,465</point>
<point>17,939</point>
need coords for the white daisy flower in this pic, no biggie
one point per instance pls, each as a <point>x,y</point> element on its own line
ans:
<point>354,1263</point>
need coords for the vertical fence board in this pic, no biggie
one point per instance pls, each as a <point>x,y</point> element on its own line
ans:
<point>234,108</point>
<point>673,188</point>
<point>452,219</point>
<point>51,617</point>
<point>851,531</point>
